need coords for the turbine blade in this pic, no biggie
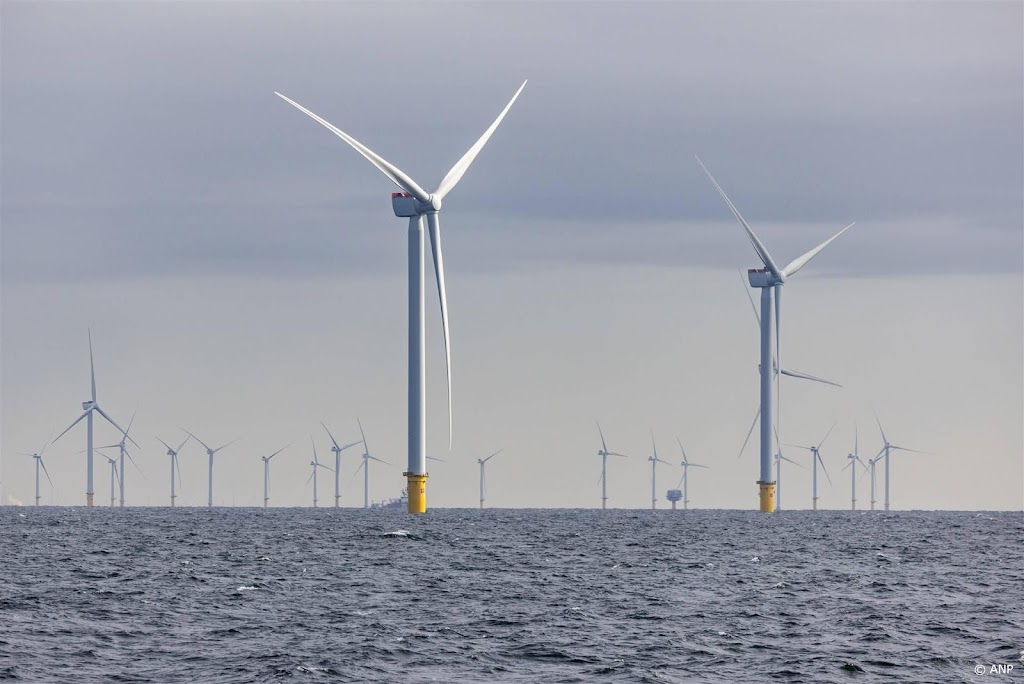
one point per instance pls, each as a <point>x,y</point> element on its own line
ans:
<point>310,478</point>
<point>432,458</point>
<point>798,263</point>
<point>333,441</point>
<point>165,443</point>
<point>604,447</point>
<point>434,224</point>
<point>493,455</point>
<point>45,471</point>
<point>279,451</point>
<point>455,174</point>
<point>77,420</point>
<point>826,435</point>
<point>92,368</point>
<point>798,446</point>
<point>612,453</point>
<point>682,449</point>
<point>750,431</point>
<point>696,465</point>
<point>800,465</point>
<point>183,442</point>
<point>824,470</point>
<point>197,439</point>
<point>884,439</point>
<point>347,446</point>
<point>225,446</point>
<point>913,451</point>
<point>806,376</point>
<point>177,469</point>
<point>761,250</point>
<point>363,435</point>
<point>395,174</point>
<point>137,468</point>
<point>374,458</point>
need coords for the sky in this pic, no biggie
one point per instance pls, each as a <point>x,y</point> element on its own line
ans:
<point>244,277</point>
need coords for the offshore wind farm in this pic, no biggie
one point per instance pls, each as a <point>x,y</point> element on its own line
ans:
<point>194,250</point>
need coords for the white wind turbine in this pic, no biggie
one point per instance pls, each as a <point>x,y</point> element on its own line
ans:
<point>653,458</point>
<point>315,465</point>
<point>210,452</point>
<point>123,451</point>
<point>779,458</point>
<point>415,203</point>
<point>871,467</point>
<point>769,278</point>
<point>885,452</point>
<point>38,456</point>
<point>89,406</point>
<point>604,454</point>
<point>853,459</point>
<point>684,481</point>
<point>337,464</point>
<point>483,476</point>
<point>175,468</point>
<point>365,466</point>
<point>266,474</point>
<point>113,474</point>
<point>815,460</point>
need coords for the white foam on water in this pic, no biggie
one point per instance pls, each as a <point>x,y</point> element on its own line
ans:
<point>245,588</point>
<point>397,533</point>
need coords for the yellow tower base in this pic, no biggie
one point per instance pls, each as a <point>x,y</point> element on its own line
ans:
<point>767,496</point>
<point>88,499</point>
<point>417,491</point>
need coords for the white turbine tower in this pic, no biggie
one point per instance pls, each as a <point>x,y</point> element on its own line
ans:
<point>175,468</point>
<point>779,458</point>
<point>604,454</point>
<point>38,456</point>
<point>483,475</point>
<point>653,458</point>
<point>415,203</point>
<point>266,474</point>
<point>315,465</point>
<point>815,460</point>
<point>853,459</point>
<point>337,464</point>
<point>123,451</point>
<point>885,452</point>
<point>769,278</point>
<point>210,452</point>
<point>871,467</point>
<point>89,406</point>
<point>684,481</point>
<point>365,466</point>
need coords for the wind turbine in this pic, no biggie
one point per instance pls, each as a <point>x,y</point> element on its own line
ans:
<point>654,464</point>
<point>415,203</point>
<point>365,466</point>
<point>266,474</point>
<point>173,453</point>
<point>684,481</point>
<point>853,458</point>
<point>315,464</point>
<point>483,476</point>
<point>38,456</point>
<point>769,278</point>
<point>337,464</point>
<point>89,406</point>
<point>113,474</point>
<point>885,451</point>
<point>604,454</point>
<point>210,452</point>
<point>815,460</point>
<point>779,458</point>
<point>123,450</point>
<point>871,465</point>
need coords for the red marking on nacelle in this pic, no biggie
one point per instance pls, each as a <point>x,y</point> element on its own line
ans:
<point>400,194</point>
<point>757,270</point>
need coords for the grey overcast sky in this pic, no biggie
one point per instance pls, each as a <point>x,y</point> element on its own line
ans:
<point>244,277</point>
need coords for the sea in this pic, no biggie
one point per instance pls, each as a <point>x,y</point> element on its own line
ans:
<point>345,595</point>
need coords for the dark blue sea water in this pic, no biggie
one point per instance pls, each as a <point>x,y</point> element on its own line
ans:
<point>241,595</point>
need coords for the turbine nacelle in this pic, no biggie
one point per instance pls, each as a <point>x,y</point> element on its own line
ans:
<point>762,277</point>
<point>406,205</point>
<point>86,405</point>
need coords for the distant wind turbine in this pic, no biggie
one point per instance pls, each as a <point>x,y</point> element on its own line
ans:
<point>266,474</point>
<point>885,451</point>
<point>653,458</point>
<point>315,465</point>
<point>414,203</point>
<point>604,454</point>
<point>337,464</point>
<point>766,279</point>
<point>210,452</point>
<point>779,458</point>
<point>684,481</point>
<point>38,456</point>
<point>815,460</point>
<point>123,451</point>
<point>89,406</point>
<point>854,459</point>
<point>365,466</point>
<point>175,468</point>
<point>113,475</point>
<point>483,475</point>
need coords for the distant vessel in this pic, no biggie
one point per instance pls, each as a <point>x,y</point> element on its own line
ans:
<point>401,502</point>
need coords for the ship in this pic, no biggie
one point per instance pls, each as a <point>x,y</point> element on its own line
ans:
<point>401,503</point>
